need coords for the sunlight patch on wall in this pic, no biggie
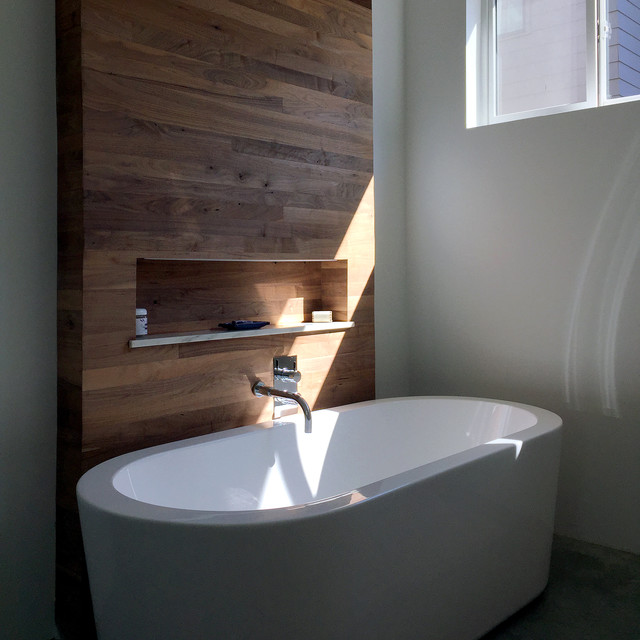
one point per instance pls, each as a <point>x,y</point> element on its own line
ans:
<point>356,248</point>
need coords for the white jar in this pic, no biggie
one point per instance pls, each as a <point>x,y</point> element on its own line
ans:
<point>141,322</point>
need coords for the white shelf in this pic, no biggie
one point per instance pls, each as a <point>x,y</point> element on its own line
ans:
<point>223,334</point>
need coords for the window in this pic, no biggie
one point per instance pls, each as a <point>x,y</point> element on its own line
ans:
<point>527,58</point>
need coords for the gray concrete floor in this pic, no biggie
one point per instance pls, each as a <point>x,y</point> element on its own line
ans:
<point>593,594</point>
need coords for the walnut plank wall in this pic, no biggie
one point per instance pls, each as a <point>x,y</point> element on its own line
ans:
<point>194,132</point>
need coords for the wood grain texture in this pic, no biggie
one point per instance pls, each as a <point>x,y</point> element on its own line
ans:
<point>215,163</point>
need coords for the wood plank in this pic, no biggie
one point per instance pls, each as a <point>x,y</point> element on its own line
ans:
<point>171,105</point>
<point>104,166</point>
<point>175,216</point>
<point>331,15</point>
<point>104,271</point>
<point>204,32</point>
<point>326,18</point>
<point>218,159</point>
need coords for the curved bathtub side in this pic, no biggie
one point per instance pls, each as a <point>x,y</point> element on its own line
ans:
<point>447,554</point>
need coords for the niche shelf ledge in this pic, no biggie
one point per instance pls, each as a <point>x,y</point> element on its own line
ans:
<point>221,334</point>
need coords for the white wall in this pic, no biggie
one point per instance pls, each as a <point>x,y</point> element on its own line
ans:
<point>27,318</point>
<point>523,270</point>
<point>392,359</point>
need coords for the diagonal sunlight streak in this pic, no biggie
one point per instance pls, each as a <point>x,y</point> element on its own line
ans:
<point>357,248</point>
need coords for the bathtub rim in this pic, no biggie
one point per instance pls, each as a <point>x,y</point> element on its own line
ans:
<point>95,489</point>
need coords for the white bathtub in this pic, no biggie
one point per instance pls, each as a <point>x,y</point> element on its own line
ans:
<point>427,518</point>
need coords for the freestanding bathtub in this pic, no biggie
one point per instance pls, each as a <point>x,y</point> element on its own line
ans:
<point>427,518</point>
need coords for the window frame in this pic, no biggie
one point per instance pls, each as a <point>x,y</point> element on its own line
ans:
<point>481,60</point>
<point>604,29</point>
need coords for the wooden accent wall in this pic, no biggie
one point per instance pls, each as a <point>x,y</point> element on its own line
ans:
<point>215,162</point>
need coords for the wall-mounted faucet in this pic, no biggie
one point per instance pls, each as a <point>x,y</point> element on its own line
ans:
<point>285,389</point>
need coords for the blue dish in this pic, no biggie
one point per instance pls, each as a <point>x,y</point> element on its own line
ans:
<point>242,325</point>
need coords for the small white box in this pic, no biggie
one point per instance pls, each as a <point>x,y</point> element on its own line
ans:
<point>322,316</point>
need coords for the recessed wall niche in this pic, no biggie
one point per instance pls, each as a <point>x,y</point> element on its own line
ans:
<point>197,295</point>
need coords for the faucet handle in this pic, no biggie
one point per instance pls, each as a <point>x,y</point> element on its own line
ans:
<point>287,375</point>
<point>286,367</point>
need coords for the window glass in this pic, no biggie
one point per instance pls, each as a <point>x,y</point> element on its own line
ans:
<point>623,50</point>
<point>541,53</point>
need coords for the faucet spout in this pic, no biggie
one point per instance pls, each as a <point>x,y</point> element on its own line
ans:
<point>260,389</point>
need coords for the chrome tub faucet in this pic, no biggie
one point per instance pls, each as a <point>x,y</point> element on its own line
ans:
<point>285,389</point>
